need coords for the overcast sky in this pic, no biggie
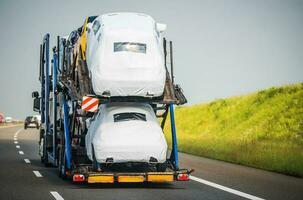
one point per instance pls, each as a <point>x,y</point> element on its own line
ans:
<point>221,48</point>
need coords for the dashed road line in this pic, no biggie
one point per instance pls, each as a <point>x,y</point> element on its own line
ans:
<point>16,142</point>
<point>27,161</point>
<point>56,195</point>
<point>226,189</point>
<point>18,146</point>
<point>16,134</point>
<point>15,139</point>
<point>37,173</point>
<point>21,152</point>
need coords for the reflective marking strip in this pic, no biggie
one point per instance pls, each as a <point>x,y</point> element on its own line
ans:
<point>226,189</point>
<point>27,161</point>
<point>21,152</point>
<point>90,104</point>
<point>18,146</point>
<point>16,142</point>
<point>37,173</point>
<point>92,107</point>
<point>86,99</point>
<point>56,195</point>
<point>85,104</point>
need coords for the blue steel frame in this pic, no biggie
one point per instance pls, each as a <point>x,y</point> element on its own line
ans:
<point>42,80</point>
<point>66,133</point>
<point>174,154</point>
<point>49,126</point>
<point>54,94</point>
<point>45,85</point>
<point>45,91</point>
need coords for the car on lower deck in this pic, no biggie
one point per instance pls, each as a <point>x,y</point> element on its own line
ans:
<point>126,133</point>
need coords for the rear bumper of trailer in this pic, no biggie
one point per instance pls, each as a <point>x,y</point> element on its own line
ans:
<point>155,177</point>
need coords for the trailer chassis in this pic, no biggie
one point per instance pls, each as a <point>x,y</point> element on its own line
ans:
<point>62,131</point>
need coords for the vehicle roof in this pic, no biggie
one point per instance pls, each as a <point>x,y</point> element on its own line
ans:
<point>30,116</point>
<point>127,21</point>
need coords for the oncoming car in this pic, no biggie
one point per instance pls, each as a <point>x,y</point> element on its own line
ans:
<point>31,121</point>
<point>126,133</point>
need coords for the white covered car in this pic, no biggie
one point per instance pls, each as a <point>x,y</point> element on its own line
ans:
<point>125,132</point>
<point>125,55</point>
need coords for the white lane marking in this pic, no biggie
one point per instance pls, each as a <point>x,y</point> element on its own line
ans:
<point>56,195</point>
<point>16,134</point>
<point>226,189</point>
<point>16,142</point>
<point>21,152</point>
<point>37,173</point>
<point>27,161</point>
<point>15,139</point>
<point>18,146</point>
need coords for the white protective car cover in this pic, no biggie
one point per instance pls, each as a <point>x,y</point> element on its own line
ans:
<point>136,67</point>
<point>125,141</point>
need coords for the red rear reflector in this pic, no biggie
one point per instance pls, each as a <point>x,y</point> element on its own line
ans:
<point>78,178</point>
<point>183,177</point>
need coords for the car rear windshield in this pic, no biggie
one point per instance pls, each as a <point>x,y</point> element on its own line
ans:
<point>29,118</point>
<point>119,117</point>
<point>130,46</point>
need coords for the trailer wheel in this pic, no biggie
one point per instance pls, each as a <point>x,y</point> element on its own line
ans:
<point>62,163</point>
<point>161,167</point>
<point>44,158</point>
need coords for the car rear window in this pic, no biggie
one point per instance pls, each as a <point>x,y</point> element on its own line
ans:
<point>127,116</point>
<point>130,46</point>
<point>29,118</point>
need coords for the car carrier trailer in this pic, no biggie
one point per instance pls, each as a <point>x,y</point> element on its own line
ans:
<point>62,130</point>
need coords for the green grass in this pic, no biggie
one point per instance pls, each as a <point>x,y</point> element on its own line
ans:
<point>262,129</point>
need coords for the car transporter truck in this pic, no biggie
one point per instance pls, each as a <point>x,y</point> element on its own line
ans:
<point>106,91</point>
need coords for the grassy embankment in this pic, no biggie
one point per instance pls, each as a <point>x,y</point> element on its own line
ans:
<point>262,129</point>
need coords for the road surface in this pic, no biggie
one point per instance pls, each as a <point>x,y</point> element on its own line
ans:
<point>24,177</point>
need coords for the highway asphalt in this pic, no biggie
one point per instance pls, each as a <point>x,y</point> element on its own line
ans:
<point>24,177</point>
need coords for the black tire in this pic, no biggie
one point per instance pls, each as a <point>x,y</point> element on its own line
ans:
<point>62,163</point>
<point>44,158</point>
<point>25,127</point>
<point>161,167</point>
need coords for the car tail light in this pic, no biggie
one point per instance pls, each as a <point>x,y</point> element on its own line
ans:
<point>78,178</point>
<point>183,177</point>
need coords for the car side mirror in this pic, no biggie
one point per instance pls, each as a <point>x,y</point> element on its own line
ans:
<point>161,27</point>
<point>35,94</point>
<point>36,106</point>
